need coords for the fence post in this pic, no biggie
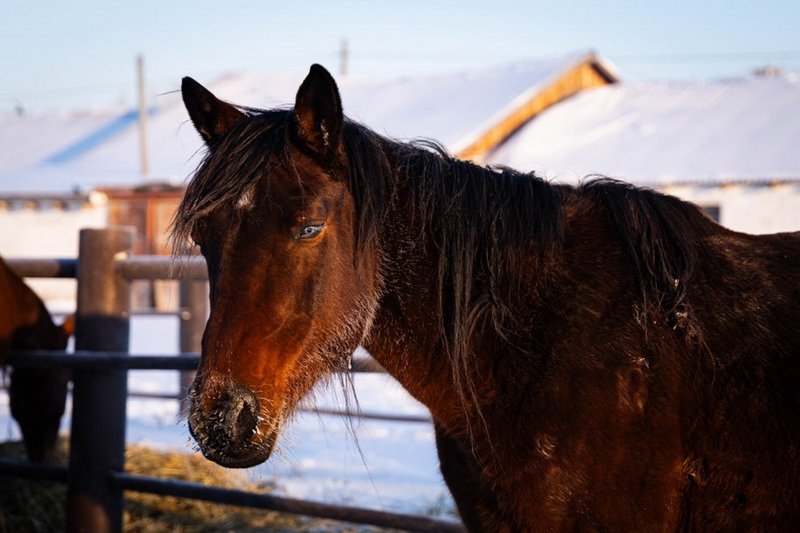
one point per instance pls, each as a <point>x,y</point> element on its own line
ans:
<point>97,439</point>
<point>193,313</point>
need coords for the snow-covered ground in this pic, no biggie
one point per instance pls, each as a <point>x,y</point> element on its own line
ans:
<point>383,465</point>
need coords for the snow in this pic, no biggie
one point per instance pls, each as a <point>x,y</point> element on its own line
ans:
<point>382,465</point>
<point>659,133</point>
<point>451,108</point>
<point>35,137</point>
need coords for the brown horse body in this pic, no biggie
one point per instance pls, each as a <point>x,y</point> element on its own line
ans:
<point>599,358</point>
<point>37,395</point>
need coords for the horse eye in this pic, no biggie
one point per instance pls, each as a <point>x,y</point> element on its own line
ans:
<point>198,230</point>
<point>309,232</point>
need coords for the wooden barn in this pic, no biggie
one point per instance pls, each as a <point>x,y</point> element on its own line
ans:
<point>149,208</point>
<point>586,73</point>
<point>97,153</point>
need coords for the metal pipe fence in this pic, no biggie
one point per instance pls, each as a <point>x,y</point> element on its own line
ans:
<point>186,363</point>
<point>96,477</point>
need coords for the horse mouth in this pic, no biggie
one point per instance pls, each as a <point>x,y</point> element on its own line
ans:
<point>241,456</point>
<point>238,460</point>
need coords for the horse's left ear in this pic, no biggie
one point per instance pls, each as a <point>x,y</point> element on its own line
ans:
<point>318,114</point>
<point>212,117</point>
<point>68,326</point>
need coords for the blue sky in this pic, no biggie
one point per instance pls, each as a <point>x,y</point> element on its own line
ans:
<point>72,54</point>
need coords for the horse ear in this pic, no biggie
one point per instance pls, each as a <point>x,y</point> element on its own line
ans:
<point>318,113</point>
<point>68,326</point>
<point>212,117</point>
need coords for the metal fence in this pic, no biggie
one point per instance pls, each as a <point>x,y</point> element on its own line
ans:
<point>95,476</point>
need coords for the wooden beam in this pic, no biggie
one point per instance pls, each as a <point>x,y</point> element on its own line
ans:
<point>581,77</point>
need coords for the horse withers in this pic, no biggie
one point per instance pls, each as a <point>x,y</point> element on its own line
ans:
<point>37,395</point>
<point>595,358</point>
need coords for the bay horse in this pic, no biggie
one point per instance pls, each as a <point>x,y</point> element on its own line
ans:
<point>37,395</point>
<point>597,357</point>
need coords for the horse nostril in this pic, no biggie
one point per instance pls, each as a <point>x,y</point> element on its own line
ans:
<point>243,417</point>
<point>245,424</point>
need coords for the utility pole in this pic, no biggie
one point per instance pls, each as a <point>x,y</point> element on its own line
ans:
<point>144,164</point>
<point>344,57</point>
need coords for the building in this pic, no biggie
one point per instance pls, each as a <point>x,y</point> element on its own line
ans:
<point>732,146</point>
<point>728,145</point>
<point>68,154</point>
<point>82,169</point>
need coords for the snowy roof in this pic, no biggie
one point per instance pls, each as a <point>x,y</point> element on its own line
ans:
<point>30,140</point>
<point>69,151</point>
<point>451,108</point>
<point>739,130</point>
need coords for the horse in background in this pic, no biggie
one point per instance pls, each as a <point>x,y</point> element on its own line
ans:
<point>37,395</point>
<point>595,358</point>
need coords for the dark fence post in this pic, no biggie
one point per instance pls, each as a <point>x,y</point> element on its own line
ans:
<point>97,440</point>
<point>193,314</point>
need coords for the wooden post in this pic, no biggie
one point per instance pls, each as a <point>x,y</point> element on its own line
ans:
<point>344,57</point>
<point>97,439</point>
<point>142,98</point>
<point>193,315</point>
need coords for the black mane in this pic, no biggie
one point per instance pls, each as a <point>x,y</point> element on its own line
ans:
<point>660,237</point>
<point>235,163</point>
<point>463,207</point>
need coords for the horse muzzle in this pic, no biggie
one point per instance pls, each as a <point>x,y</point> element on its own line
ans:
<point>227,428</point>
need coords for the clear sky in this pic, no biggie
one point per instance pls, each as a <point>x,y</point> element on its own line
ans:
<point>68,54</point>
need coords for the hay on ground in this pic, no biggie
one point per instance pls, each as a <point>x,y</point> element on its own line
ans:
<point>38,507</point>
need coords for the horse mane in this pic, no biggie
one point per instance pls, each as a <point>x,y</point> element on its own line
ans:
<point>493,228</point>
<point>484,224</point>
<point>510,216</point>
<point>659,234</point>
<point>481,221</point>
<point>233,165</point>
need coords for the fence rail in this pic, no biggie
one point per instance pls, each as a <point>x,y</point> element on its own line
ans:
<point>196,491</point>
<point>99,360</point>
<point>154,267</point>
<point>185,362</point>
<point>95,477</point>
<point>44,268</point>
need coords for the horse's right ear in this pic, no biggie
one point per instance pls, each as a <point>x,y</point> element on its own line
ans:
<point>212,117</point>
<point>318,117</point>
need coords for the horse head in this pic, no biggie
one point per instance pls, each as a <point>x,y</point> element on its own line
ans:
<point>272,212</point>
<point>37,395</point>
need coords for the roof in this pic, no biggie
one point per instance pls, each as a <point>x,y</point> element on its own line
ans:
<point>30,138</point>
<point>727,131</point>
<point>450,108</point>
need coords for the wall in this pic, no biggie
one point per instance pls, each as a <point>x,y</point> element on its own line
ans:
<point>758,208</point>
<point>50,232</point>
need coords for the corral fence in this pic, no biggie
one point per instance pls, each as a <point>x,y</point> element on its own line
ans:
<point>95,476</point>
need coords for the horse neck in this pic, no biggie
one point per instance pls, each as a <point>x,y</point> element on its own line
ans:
<point>407,336</point>
<point>22,307</point>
